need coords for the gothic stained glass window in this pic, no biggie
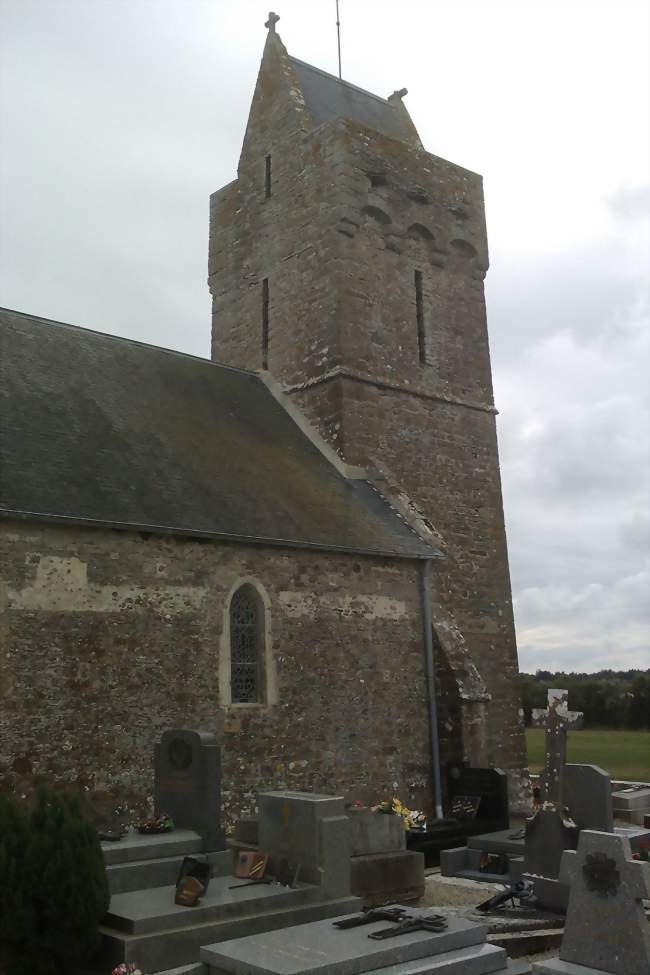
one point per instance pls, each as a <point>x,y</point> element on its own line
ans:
<point>245,647</point>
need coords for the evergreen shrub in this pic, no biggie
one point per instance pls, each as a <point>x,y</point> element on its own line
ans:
<point>53,886</point>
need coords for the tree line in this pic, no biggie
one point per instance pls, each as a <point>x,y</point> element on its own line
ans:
<point>608,699</point>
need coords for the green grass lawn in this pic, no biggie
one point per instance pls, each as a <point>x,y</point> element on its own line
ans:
<point>624,754</point>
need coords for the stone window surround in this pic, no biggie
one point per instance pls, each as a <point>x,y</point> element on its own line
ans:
<point>268,681</point>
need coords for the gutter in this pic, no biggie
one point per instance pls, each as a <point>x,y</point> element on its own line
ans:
<point>8,514</point>
<point>431,684</point>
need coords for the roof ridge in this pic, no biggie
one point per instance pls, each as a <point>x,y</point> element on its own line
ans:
<point>124,338</point>
<point>341,81</point>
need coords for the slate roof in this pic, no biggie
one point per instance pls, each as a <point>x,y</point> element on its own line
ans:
<point>327,98</point>
<point>104,430</point>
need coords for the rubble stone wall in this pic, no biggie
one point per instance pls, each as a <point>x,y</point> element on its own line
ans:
<point>110,638</point>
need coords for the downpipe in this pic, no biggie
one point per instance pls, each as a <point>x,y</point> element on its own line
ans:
<point>425,593</point>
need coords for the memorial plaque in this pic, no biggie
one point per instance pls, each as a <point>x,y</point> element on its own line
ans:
<point>187,783</point>
<point>465,807</point>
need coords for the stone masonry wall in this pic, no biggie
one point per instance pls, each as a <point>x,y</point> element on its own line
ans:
<point>447,461</point>
<point>110,638</point>
<point>352,217</point>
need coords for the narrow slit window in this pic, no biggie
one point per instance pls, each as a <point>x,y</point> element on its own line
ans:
<point>265,323</point>
<point>419,315</point>
<point>267,176</point>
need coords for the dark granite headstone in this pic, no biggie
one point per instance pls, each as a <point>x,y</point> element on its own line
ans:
<point>548,835</point>
<point>606,928</point>
<point>588,796</point>
<point>490,786</point>
<point>187,783</point>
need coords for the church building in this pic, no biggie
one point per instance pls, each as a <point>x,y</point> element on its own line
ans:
<point>299,544</point>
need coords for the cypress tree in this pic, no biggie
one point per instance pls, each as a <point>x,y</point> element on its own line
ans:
<point>57,891</point>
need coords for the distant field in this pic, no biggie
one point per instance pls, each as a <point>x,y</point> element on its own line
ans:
<point>624,754</point>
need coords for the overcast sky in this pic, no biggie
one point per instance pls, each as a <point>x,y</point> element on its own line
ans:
<point>118,119</point>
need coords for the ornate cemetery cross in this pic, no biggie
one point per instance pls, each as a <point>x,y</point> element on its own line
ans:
<point>557,718</point>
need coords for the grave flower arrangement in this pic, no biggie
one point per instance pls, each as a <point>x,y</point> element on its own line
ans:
<point>643,853</point>
<point>127,968</point>
<point>161,823</point>
<point>411,818</point>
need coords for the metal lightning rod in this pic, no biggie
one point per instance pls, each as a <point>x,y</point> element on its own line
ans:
<point>338,34</point>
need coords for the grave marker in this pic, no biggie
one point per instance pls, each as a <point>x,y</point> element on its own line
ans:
<point>187,783</point>
<point>550,831</point>
<point>588,796</point>
<point>558,719</point>
<point>606,928</point>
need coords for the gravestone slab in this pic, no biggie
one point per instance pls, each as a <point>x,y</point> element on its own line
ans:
<point>588,796</point>
<point>187,783</point>
<point>606,927</point>
<point>322,949</point>
<point>311,830</point>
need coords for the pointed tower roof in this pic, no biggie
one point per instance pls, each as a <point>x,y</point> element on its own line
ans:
<point>298,95</point>
<point>328,97</point>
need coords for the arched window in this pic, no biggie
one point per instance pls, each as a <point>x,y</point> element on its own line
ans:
<point>246,647</point>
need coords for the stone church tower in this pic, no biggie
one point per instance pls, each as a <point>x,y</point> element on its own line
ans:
<point>349,262</point>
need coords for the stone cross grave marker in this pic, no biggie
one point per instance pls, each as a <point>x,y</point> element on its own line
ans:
<point>187,783</point>
<point>606,928</point>
<point>550,832</point>
<point>557,719</point>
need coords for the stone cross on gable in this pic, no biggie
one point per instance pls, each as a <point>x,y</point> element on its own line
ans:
<point>557,718</point>
<point>272,21</point>
<point>606,928</point>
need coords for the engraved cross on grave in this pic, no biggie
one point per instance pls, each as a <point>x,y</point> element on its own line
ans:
<point>556,720</point>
